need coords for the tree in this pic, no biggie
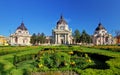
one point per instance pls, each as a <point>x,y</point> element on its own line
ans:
<point>76,36</point>
<point>89,39</point>
<point>117,32</point>
<point>39,38</point>
<point>85,38</point>
<point>42,38</point>
<point>33,39</point>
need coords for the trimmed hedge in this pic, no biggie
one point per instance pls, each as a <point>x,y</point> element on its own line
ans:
<point>10,49</point>
<point>7,67</point>
<point>109,48</point>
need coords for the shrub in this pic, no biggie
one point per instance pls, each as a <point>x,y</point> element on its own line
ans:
<point>54,60</point>
<point>16,72</point>
<point>5,67</point>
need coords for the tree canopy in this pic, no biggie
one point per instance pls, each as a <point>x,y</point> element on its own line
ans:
<point>76,36</point>
<point>38,39</point>
<point>83,38</point>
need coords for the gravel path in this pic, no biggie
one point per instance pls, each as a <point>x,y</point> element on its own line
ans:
<point>55,73</point>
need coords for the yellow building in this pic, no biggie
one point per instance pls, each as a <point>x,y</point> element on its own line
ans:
<point>3,40</point>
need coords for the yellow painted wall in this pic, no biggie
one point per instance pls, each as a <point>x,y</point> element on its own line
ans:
<point>3,41</point>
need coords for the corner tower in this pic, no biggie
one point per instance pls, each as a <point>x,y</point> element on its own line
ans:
<point>21,36</point>
<point>101,36</point>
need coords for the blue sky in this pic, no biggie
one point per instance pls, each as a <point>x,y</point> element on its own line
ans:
<point>42,15</point>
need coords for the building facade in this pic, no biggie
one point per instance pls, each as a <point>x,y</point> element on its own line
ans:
<point>21,36</point>
<point>102,37</point>
<point>3,40</point>
<point>62,34</point>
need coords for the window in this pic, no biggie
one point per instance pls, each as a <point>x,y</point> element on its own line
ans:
<point>62,27</point>
<point>103,31</point>
<point>19,31</point>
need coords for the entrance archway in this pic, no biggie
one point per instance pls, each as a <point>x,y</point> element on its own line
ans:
<point>62,41</point>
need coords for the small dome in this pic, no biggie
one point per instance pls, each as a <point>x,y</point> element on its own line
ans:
<point>99,27</point>
<point>22,27</point>
<point>61,21</point>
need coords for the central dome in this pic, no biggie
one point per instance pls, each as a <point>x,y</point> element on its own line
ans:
<point>61,21</point>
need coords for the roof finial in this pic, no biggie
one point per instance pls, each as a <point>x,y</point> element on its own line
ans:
<point>61,17</point>
<point>100,23</point>
<point>22,19</point>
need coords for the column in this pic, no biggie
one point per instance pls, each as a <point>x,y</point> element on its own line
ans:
<point>11,40</point>
<point>100,40</point>
<point>55,38</point>
<point>65,39</point>
<point>58,38</point>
